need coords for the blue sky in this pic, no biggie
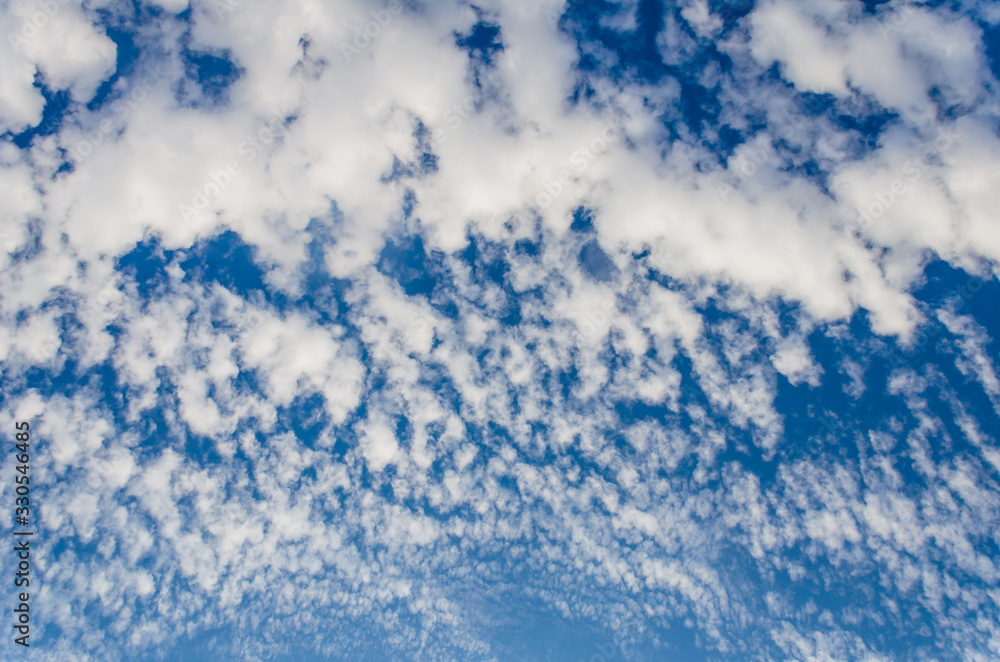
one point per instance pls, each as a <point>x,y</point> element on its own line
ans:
<point>539,330</point>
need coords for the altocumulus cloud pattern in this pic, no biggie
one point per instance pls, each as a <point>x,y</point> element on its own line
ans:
<point>502,330</point>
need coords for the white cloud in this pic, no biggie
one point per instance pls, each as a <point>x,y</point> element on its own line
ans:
<point>444,432</point>
<point>379,446</point>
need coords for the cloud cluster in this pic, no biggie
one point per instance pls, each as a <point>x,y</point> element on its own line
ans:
<point>501,305</point>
